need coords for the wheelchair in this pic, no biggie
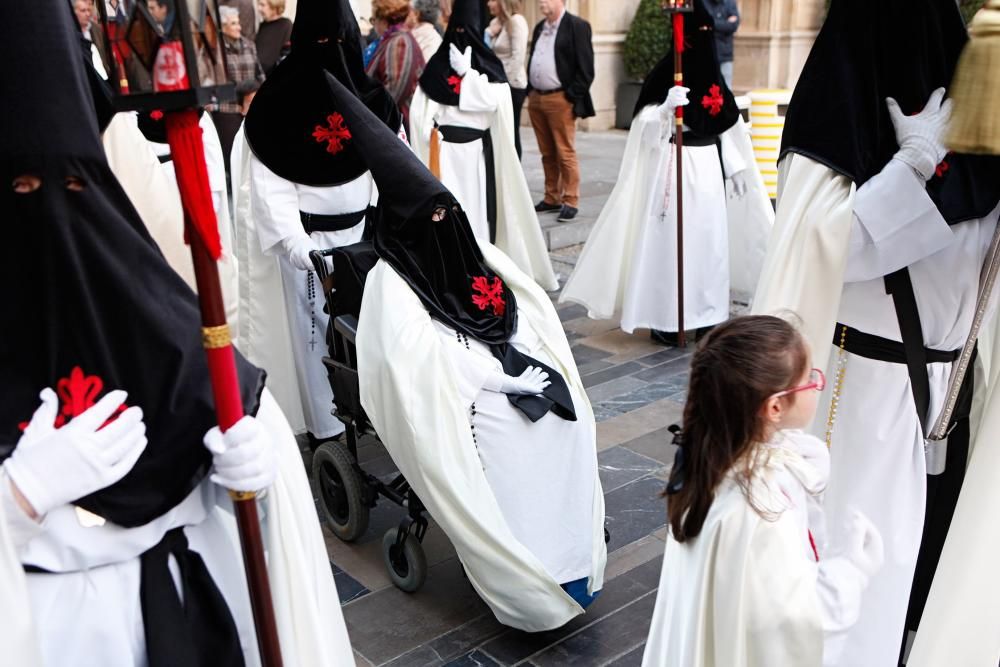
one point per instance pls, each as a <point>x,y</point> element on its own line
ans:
<point>346,491</point>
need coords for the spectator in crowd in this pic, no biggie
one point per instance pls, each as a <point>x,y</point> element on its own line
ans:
<point>82,9</point>
<point>243,69</point>
<point>560,71</point>
<point>424,17</point>
<point>274,35</point>
<point>509,32</point>
<point>162,15</point>
<point>248,18</point>
<point>727,21</point>
<point>445,6</point>
<point>398,61</point>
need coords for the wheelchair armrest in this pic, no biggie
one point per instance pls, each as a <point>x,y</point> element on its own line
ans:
<point>347,326</point>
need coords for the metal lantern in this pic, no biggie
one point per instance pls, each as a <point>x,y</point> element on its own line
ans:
<point>165,54</point>
<point>675,6</point>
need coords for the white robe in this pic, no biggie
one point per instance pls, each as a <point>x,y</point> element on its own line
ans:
<point>485,105</point>
<point>274,209</point>
<point>877,446</point>
<point>91,615</point>
<point>418,401</point>
<point>748,590</point>
<point>628,269</point>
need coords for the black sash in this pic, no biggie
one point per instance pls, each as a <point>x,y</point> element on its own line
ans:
<point>877,348</point>
<point>455,134</point>
<point>198,632</point>
<point>556,396</point>
<point>322,222</point>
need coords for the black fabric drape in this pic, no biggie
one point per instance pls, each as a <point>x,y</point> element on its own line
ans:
<point>866,52</point>
<point>439,81</point>
<point>457,134</point>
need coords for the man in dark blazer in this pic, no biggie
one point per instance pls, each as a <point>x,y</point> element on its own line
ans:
<point>560,71</point>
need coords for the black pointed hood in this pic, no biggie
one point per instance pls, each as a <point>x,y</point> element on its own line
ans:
<point>90,305</point>
<point>712,108</point>
<point>439,259</point>
<point>439,81</point>
<point>864,53</point>
<point>292,125</point>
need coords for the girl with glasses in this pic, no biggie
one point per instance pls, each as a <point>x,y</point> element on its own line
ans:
<point>747,577</point>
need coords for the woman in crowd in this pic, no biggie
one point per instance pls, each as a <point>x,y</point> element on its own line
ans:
<point>243,69</point>
<point>398,60</point>
<point>509,32</point>
<point>747,576</point>
<point>274,35</point>
<point>425,16</point>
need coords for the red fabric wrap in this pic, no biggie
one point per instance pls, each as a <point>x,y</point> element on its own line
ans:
<point>188,153</point>
<point>679,49</point>
<point>222,370</point>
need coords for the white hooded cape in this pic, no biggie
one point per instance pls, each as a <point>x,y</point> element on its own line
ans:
<point>414,404</point>
<point>519,234</point>
<point>604,271</point>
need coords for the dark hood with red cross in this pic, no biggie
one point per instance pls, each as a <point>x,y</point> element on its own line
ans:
<point>293,124</point>
<point>89,303</point>
<point>866,52</point>
<point>712,108</point>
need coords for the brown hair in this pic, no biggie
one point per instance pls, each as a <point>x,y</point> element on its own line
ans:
<point>509,7</point>
<point>735,369</point>
<point>391,11</point>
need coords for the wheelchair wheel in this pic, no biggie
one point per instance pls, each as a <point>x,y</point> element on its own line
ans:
<point>339,488</point>
<point>407,566</point>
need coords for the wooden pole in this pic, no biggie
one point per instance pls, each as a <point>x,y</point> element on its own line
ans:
<point>187,150</point>
<point>678,21</point>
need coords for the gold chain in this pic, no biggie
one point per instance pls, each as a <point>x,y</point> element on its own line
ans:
<point>838,386</point>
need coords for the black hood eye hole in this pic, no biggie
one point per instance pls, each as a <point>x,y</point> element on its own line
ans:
<point>75,184</point>
<point>26,184</point>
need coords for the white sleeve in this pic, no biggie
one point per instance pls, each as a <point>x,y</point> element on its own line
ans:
<point>274,206</point>
<point>21,528</point>
<point>840,587</point>
<point>477,93</point>
<point>732,157</point>
<point>895,224</point>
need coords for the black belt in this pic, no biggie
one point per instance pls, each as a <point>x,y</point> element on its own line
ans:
<point>875,347</point>
<point>198,631</point>
<point>165,158</point>
<point>698,140</point>
<point>455,134</point>
<point>322,222</point>
<point>549,92</point>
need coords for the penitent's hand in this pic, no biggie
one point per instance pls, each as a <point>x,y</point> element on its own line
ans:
<point>921,136</point>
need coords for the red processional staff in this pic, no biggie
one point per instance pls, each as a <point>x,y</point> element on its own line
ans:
<point>174,65</point>
<point>676,10</point>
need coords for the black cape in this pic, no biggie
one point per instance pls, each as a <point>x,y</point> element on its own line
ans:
<point>712,108</point>
<point>90,305</point>
<point>294,125</point>
<point>439,81</point>
<point>866,52</point>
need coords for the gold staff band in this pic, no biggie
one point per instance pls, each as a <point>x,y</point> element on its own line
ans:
<point>242,495</point>
<point>213,338</point>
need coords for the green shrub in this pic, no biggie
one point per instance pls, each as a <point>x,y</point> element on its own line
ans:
<point>647,41</point>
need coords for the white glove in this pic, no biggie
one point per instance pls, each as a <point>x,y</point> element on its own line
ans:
<point>676,97</point>
<point>54,467</point>
<point>921,137</point>
<point>297,249</point>
<point>531,381</point>
<point>864,547</point>
<point>740,186</point>
<point>460,62</point>
<point>243,457</point>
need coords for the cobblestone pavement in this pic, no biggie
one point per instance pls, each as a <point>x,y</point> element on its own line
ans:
<point>637,389</point>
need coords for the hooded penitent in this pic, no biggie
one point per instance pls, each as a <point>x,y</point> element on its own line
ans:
<point>439,81</point>
<point>294,126</point>
<point>712,109</point>
<point>90,305</point>
<point>439,258</point>
<point>865,53</point>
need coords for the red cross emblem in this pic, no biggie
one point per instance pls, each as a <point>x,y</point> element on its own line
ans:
<point>713,101</point>
<point>77,393</point>
<point>334,133</point>
<point>455,82</point>
<point>488,295</point>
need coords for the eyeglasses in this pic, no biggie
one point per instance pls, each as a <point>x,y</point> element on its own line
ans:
<point>817,381</point>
